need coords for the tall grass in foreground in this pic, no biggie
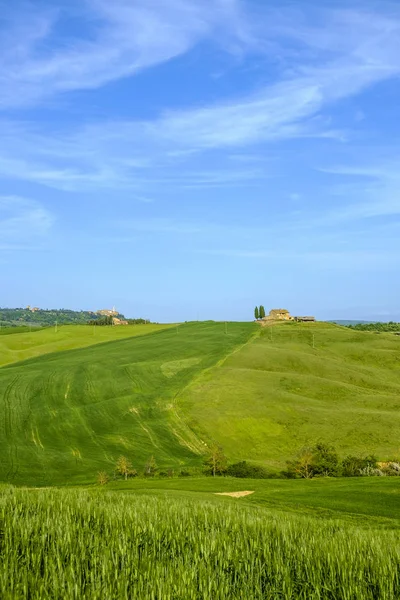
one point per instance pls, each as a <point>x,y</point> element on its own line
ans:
<point>58,544</point>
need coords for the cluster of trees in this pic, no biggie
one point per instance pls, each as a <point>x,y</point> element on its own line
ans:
<point>123,468</point>
<point>101,321</point>
<point>21,316</point>
<point>379,327</point>
<point>138,321</point>
<point>322,460</point>
<point>259,312</point>
<point>216,464</point>
<point>105,320</point>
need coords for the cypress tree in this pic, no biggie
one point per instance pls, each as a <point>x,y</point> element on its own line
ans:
<point>262,312</point>
<point>256,313</point>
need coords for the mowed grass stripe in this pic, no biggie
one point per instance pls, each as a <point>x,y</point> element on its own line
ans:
<point>65,416</point>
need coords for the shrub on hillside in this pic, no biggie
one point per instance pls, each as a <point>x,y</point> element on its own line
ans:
<point>184,474</point>
<point>246,470</point>
<point>354,466</point>
<point>392,469</point>
<point>319,460</point>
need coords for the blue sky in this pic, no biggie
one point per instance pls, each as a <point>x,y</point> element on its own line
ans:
<point>185,160</point>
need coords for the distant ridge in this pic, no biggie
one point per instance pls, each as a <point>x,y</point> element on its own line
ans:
<point>349,322</point>
<point>12,317</point>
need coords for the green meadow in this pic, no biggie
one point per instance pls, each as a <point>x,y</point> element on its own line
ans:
<point>365,502</point>
<point>107,544</point>
<point>64,416</point>
<point>25,344</point>
<point>70,411</point>
<point>298,384</point>
<point>73,401</point>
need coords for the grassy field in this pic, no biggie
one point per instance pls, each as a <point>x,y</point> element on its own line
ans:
<point>169,392</point>
<point>64,416</point>
<point>368,502</point>
<point>281,393</point>
<point>94,545</point>
<point>70,411</point>
<point>24,345</point>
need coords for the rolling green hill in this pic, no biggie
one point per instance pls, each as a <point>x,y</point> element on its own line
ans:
<point>280,393</point>
<point>261,393</point>
<point>66,415</point>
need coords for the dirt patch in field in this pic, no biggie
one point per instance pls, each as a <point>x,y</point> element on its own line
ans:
<point>234,494</point>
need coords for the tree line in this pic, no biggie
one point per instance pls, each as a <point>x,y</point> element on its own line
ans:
<point>319,460</point>
<point>259,312</point>
<point>21,316</point>
<point>108,320</point>
<point>391,326</point>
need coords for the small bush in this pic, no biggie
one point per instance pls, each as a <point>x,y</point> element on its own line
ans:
<point>392,469</point>
<point>184,474</point>
<point>246,470</point>
<point>102,478</point>
<point>356,466</point>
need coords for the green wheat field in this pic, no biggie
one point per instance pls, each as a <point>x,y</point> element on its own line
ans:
<point>73,401</point>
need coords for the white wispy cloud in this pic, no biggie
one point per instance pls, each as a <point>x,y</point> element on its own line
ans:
<point>377,182</point>
<point>120,39</point>
<point>23,222</point>
<point>325,58</point>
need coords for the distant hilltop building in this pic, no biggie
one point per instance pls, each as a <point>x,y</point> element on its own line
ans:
<point>117,321</point>
<point>278,314</point>
<point>106,312</point>
<point>32,309</point>
<point>281,314</point>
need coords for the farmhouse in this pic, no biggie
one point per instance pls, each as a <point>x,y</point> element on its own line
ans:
<point>281,314</point>
<point>278,314</point>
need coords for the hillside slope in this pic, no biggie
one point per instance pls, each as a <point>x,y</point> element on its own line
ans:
<point>65,416</point>
<point>279,393</point>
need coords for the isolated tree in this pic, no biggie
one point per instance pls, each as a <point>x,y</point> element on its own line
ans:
<point>256,313</point>
<point>150,468</point>
<point>261,312</point>
<point>215,462</point>
<point>303,465</point>
<point>326,460</point>
<point>123,466</point>
<point>102,478</point>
